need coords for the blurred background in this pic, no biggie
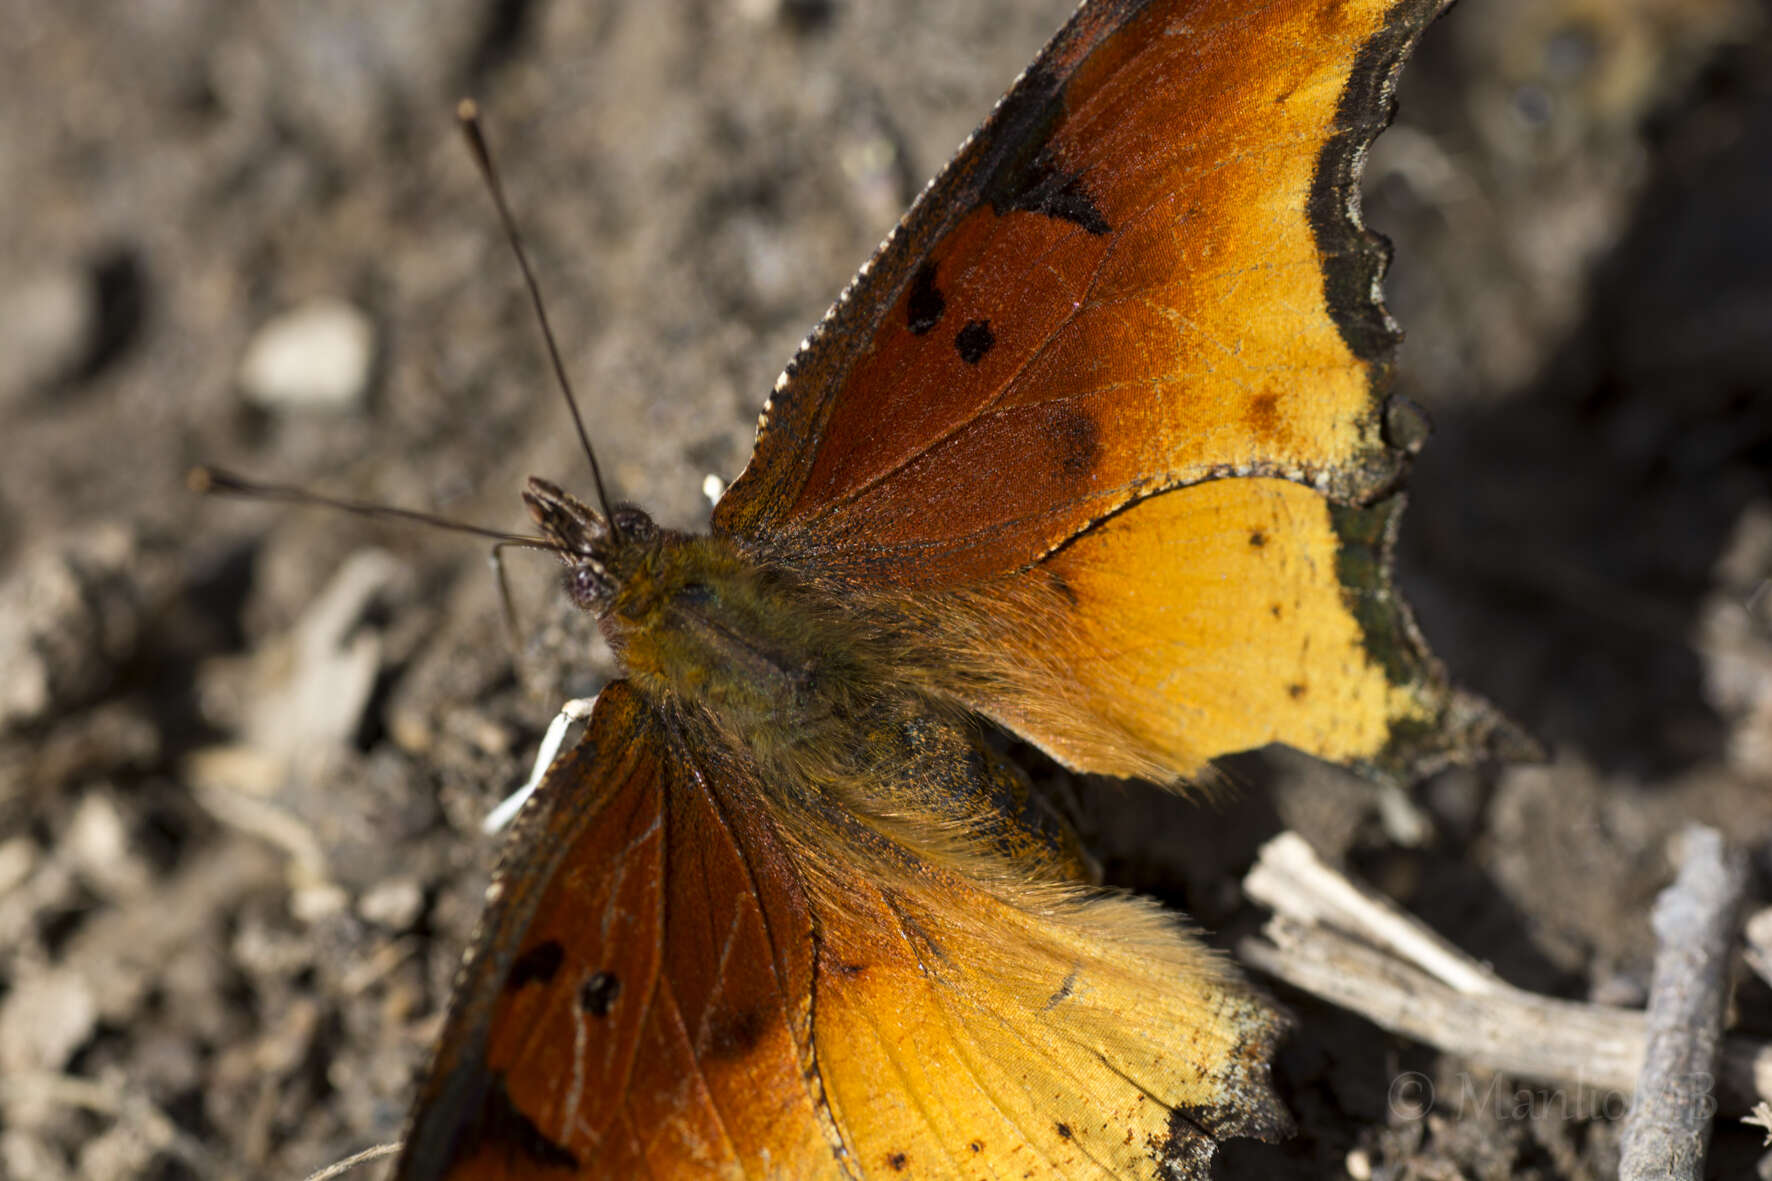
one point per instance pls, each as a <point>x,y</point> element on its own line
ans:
<point>244,749</point>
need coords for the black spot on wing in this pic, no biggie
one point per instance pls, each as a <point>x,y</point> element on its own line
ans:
<point>898,1161</point>
<point>1075,440</point>
<point>536,966</point>
<point>596,996</point>
<point>1020,171</point>
<point>974,341</point>
<point>733,1035</point>
<point>1063,1129</point>
<point>925,304</point>
<point>498,1125</point>
<point>1046,190</point>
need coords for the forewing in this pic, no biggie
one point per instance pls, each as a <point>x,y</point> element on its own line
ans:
<point>637,1002</point>
<point>1145,270</point>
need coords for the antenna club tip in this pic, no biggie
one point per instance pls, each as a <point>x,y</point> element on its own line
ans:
<point>200,480</point>
<point>467,110</point>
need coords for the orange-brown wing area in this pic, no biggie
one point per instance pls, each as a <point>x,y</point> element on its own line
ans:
<point>977,1025</point>
<point>638,1000</point>
<point>1146,270</point>
<point>1211,619</point>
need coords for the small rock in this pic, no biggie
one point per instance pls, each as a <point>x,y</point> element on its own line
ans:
<point>263,950</point>
<point>46,322</point>
<point>46,1017</point>
<point>313,903</point>
<point>1734,641</point>
<point>118,1153</point>
<point>25,1155</point>
<point>314,357</point>
<point>68,616</point>
<point>18,857</point>
<point>394,904</point>
<point>307,694</point>
<point>98,841</point>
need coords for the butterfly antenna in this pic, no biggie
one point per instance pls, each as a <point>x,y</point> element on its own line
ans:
<point>467,114</point>
<point>211,481</point>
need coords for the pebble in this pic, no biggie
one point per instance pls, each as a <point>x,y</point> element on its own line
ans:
<point>394,904</point>
<point>318,356</point>
<point>318,902</point>
<point>47,321</point>
<point>97,839</point>
<point>68,616</point>
<point>18,857</point>
<point>46,1017</point>
<point>25,1155</point>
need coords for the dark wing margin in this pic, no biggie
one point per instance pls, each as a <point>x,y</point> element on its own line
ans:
<point>1355,258</point>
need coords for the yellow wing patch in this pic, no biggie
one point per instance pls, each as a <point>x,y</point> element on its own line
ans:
<point>1204,621</point>
<point>967,1026</point>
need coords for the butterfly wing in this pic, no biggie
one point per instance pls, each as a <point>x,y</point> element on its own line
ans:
<point>1145,270</point>
<point>696,977</point>
<point>975,1024</point>
<point>1143,278</point>
<point>638,1002</point>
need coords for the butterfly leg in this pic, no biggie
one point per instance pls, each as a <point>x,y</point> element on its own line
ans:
<point>572,711</point>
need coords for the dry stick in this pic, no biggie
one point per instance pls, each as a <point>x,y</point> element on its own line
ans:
<point>340,1168</point>
<point>1694,919</point>
<point>1756,933</point>
<point>1361,952</point>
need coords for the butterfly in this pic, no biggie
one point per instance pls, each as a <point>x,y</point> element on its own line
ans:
<point>1096,449</point>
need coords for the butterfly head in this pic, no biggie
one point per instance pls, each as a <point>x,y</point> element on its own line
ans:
<point>597,556</point>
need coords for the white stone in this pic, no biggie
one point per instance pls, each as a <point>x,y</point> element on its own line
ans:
<point>314,357</point>
<point>46,1017</point>
<point>47,321</point>
<point>394,904</point>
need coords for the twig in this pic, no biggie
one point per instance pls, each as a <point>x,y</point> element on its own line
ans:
<point>1668,1127</point>
<point>1761,1117</point>
<point>340,1168</point>
<point>1757,934</point>
<point>1360,951</point>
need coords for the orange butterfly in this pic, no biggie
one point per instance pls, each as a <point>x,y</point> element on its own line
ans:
<point>1096,448</point>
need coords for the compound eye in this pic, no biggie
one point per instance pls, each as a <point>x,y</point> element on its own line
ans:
<point>586,586</point>
<point>634,523</point>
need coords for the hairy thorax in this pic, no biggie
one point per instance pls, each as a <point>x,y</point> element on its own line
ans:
<point>773,662</point>
<point>828,698</point>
